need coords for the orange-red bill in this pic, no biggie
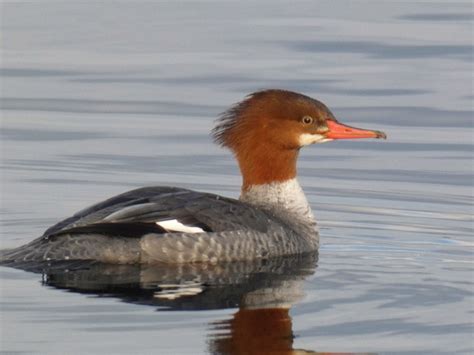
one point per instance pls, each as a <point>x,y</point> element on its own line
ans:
<point>340,131</point>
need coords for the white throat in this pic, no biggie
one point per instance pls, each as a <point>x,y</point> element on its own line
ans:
<point>286,199</point>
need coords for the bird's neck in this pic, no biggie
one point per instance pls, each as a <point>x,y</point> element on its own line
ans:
<point>264,164</point>
<point>285,199</point>
<point>269,181</point>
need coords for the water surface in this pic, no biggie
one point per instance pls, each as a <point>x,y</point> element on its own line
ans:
<point>98,98</point>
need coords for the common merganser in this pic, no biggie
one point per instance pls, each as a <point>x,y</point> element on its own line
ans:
<point>174,225</point>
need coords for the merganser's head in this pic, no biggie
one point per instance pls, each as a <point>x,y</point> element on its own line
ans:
<point>266,130</point>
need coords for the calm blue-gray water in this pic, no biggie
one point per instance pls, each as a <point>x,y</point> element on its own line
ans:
<point>102,97</point>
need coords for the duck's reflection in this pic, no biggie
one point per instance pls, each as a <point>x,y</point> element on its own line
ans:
<point>255,331</point>
<point>263,290</point>
<point>271,283</point>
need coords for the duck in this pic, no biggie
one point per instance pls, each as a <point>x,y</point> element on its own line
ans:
<point>161,224</point>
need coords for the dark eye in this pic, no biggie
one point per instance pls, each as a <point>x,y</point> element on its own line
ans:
<point>307,120</point>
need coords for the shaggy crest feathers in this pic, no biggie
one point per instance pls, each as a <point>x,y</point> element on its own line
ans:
<point>228,120</point>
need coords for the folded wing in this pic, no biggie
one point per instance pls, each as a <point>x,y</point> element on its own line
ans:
<point>163,210</point>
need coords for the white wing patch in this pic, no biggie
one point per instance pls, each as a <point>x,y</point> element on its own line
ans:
<point>173,225</point>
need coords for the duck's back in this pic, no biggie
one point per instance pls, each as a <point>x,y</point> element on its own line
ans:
<point>164,224</point>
